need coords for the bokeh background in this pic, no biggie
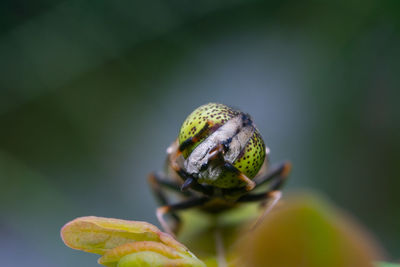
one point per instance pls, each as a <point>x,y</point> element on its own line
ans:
<point>93,92</point>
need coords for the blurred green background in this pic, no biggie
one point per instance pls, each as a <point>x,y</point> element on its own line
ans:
<point>93,92</point>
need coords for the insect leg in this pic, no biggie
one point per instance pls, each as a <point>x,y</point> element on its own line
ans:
<point>217,152</point>
<point>188,180</point>
<point>191,182</point>
<point>271,198</point>
<point>250,184</point>
<point>191,140</point>
<point>157,181</point>
<point>258,196</point>
<point>158,185</point>
<point>279,175</point>
<point>186,204</point>
<point>176,149</point>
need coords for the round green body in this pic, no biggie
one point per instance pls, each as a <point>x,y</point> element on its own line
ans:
<point>215,118</point>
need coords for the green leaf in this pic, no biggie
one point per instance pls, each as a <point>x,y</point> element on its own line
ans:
<point>126,243</point>
<point>97,235</point>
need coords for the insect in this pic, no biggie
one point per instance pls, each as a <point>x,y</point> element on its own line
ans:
<point>216,163</point>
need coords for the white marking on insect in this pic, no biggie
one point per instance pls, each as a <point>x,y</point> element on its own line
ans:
<point>232,129</point>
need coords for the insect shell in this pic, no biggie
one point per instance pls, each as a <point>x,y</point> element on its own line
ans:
<point>220,147</point>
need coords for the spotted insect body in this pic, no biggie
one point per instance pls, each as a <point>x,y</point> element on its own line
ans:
<point>217,160</point>
<point>216,125</point>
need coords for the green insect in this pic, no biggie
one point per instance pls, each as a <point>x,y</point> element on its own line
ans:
<point>217,161</point>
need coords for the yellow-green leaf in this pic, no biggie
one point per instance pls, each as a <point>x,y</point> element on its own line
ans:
<point>152,259</point>
<point>97,234</point>
<point>147,252</point>
<point>126,243</point>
